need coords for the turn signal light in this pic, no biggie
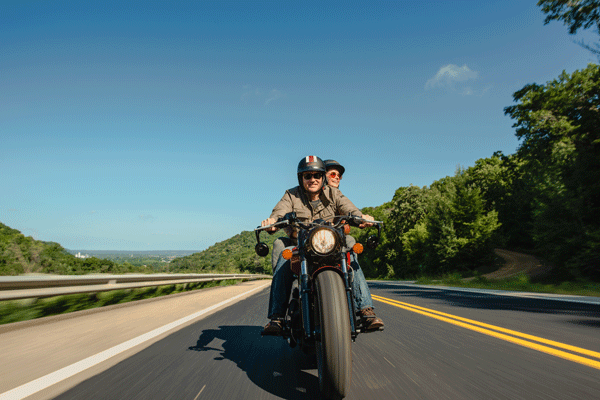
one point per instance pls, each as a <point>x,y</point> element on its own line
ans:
<point>287,254</point>
<point>346,229</point>
<point>358,248</point>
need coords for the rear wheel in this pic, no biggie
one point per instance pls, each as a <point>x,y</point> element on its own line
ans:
<point>334,352</point>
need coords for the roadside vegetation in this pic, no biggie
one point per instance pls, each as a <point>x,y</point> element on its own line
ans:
<point>520,282</point>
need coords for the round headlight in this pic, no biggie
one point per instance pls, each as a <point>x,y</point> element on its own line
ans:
<point>323,241</point>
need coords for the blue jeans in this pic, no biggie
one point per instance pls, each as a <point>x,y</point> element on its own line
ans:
<point>283,278</point>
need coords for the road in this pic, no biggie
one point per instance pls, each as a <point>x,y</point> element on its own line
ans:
<point>437,344</point>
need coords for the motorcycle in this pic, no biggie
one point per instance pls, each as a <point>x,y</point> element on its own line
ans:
<point>321,315</point>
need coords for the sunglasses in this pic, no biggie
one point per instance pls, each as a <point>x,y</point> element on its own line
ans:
<point>334,174</point>
<point>315,175</point>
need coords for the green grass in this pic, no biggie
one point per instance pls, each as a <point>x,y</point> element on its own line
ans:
<point>27,309</point>
<point>518,283</point>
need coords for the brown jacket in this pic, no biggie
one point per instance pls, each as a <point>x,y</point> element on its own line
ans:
<point>333,202</point>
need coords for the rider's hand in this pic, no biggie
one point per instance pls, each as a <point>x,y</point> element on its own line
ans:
<point>269,221</point>
<point>365,224</point>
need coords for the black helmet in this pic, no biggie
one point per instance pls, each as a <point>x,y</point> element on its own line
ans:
<point>334,164</point>
<point>310,163</point>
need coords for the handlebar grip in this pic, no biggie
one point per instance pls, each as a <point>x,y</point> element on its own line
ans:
<point>291,216</point>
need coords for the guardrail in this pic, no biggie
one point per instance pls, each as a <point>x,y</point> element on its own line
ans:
<point>25,287</point>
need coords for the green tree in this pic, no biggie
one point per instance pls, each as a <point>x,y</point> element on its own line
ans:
<point>559,128</point>
<point>575,14</point>
<point>408,208</point>
<point>376,263</point>
<point>457,233</point>
<point>505,188</point>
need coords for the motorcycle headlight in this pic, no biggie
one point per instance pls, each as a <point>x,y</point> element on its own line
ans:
<point>323,241</point>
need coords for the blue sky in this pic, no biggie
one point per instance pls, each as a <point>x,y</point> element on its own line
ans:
<point>153,125</point>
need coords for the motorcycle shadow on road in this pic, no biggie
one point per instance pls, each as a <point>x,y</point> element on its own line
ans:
<point>269,362</point>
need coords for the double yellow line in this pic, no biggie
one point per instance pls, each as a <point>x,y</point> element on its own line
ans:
<point>523,339</point>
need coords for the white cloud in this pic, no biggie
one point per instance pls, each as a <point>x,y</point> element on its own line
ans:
<point>453,77</point>
<point>251,95</point>
<point>273,95</point>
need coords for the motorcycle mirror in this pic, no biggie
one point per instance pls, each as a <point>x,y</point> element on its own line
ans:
<point>261,249</point>
<point>372,241</point>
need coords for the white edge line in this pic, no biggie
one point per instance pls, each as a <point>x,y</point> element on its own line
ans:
<point>53,378</point>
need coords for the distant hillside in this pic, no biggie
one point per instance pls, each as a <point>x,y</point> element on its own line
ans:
<point>20,254</point>
<point>110,254</point>
<point>235,254</point>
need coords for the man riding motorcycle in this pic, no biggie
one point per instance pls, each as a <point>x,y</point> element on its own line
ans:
<point>333,175</point>
<point>312,199</point>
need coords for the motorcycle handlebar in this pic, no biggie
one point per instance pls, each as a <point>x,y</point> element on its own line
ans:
<point>356,221</point>
<point>278,223</point>
<point>290,219</point>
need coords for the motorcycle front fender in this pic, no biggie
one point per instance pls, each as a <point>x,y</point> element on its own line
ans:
<point>328,268</point>
<point>349,294</point>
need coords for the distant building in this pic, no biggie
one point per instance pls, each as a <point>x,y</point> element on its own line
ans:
<point>79,255</point>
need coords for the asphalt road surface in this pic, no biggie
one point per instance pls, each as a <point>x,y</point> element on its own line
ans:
<point>437,344</point>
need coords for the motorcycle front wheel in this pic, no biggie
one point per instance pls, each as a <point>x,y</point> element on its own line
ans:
<point>334,352</point>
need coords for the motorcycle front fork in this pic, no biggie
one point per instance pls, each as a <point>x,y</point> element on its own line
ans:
<point>305,299</point>
<point>349,295</point>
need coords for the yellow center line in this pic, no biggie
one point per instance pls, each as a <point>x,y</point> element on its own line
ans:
<point>480,327</point>
<point>497,328</point>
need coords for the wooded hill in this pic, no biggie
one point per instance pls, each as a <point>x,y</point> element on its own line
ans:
<point>20,254</point>
<point>235,254</point>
